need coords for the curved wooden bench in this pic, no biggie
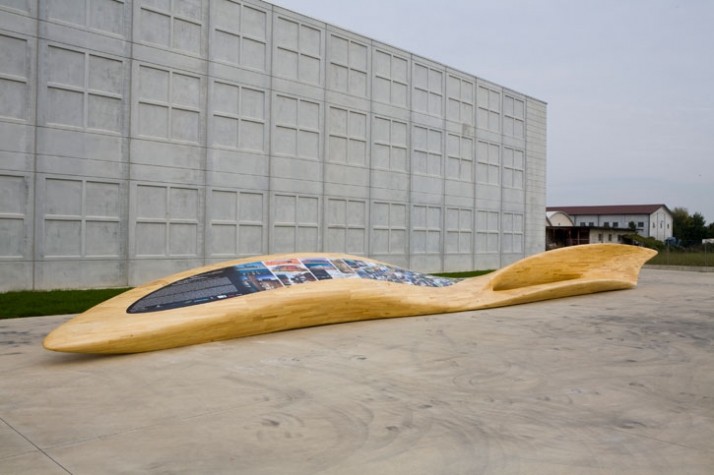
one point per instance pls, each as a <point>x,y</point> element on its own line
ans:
<point>281,292</point>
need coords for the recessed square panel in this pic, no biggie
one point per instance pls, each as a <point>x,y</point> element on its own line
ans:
<point>15,57</point>
<point>104,113</point>
<point>310,40</point>
<point>252,104</point>
<point>187,36</point>
<point>63,197</point>
<point>151,239</point>
<point>226,98</point>
<point>185,125</point>
<point>183,203</point>
<point>102,239</point>
<point>224,239</point>
<point>226,47</point>
<point>65,67</point>
<point>13,194</point>
<point>153,84</point>
<point>252,136</point>
<point>356,241</point>
<point>107,15</point>
<point>153,121</point>
<point>251,207</point>
<point>101,199</point>
<point>155,28</point>
<point>183,239</point>
<point>151,202</point>
<point>106,75</point>
<point>250,240</point>
<point>13,242</point>
<point>65,107</point>
<point>224,205</point>
<point>307,210</point>
<point>225,131</point>
<point>186,91</point>
<point>254,22</point>
<point>253,54</point>
<point>62,238</point>
<point>188,9</point>
<point>13,99</point>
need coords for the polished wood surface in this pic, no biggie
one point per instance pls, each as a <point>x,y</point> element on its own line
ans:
<point>108,328</point>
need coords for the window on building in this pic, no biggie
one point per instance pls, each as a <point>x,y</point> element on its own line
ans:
<point>615,225</point>
<point>606,224</point>
<point>591,223</point>
<point>640,224</point>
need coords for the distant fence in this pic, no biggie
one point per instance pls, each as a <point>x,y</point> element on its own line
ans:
<point>687,254</point>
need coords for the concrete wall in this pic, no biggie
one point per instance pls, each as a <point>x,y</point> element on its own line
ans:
<point>140,138</point>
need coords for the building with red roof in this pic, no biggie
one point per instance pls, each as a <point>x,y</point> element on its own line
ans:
<point>606,223</point>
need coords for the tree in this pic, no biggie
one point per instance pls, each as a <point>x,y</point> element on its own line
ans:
<point>697,228</point>
<point>689,229</point>
<point>680,218</point>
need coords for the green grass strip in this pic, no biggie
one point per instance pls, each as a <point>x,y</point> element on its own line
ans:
<point>695,259</point>
<point>31,303</point>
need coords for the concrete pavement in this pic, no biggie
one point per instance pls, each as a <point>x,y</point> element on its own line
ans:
<point>619,382</point>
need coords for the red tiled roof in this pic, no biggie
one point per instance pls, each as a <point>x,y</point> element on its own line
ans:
<point>608,209</point>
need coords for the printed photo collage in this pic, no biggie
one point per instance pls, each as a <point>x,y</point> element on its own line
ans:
<point>252,277</point>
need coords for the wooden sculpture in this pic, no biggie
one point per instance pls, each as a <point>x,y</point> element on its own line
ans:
<point>280,292</point>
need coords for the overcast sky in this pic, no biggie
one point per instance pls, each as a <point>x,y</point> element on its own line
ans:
<point>629,83</point>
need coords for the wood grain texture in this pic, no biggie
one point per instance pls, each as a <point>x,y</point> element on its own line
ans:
<point>108,328</point>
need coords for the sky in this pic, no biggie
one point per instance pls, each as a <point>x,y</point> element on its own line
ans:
<point>629,83</point>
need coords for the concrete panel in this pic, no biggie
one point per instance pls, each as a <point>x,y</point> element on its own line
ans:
<point>236,223</point>
<point>428,82</point>
<point>166,221</point>
<point>171,25</point>
<point>488,107</point>
<point>105,15</point>
<point>390,77</point>
<point>240,35</point>
<point>81,219</point>
<point>426,237</point>
<point>460,99</point>
<point>346,226</point>
<point>347,141</point>
<point>389,231</point>
<point>238,118</point>
<point>298,49</point>
<point>16,195</point>
<point>459,238</point>
<point>295,224</point>
<point>514,115</point>
<point>15,71</point>
<point>348,64</point>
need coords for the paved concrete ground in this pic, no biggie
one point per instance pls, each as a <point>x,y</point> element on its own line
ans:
<point>621,382</point>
